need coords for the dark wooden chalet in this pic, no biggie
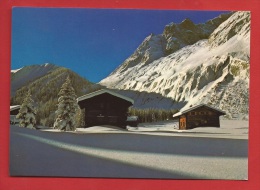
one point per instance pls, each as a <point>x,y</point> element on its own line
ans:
<point>199,116</point>
<point>14,110</point>
<point>105,107</point>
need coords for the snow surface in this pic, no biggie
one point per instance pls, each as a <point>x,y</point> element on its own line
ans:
<point>233,129</point>
<point>110,152</point>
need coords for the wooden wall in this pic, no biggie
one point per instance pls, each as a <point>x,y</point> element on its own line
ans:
<point>200,117</point>
<point>14,112</point>
<point>105,109</point>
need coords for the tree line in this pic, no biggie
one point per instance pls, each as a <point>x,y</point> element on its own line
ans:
<point>151,114</point>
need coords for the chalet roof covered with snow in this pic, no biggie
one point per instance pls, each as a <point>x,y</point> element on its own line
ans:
<point>14,107</point>
<point>195,107</point>
<point>103,91</point>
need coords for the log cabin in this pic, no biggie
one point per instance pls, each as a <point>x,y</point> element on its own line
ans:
<point>105,107</point>
<point>199,116</point>
<point>14,110</point>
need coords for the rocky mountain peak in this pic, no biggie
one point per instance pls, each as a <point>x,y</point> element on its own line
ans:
<point>174,37</point>
<point>238,25</point>
<point>188,33</point>
<point>206,63</point>
<point>151,48</point>
<point>187,24</point>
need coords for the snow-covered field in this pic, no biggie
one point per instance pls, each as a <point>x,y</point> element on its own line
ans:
<point>236,129</point>
<point>149,151</point>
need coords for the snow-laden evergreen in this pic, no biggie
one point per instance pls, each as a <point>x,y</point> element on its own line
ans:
<point>27,113</point>
<point>66,114</point>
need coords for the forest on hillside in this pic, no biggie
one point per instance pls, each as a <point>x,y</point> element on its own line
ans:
<point>45,91</point>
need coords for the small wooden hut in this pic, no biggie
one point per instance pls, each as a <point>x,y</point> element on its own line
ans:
<point>14,110</point>
<point>199,116</point>
<point>105,107</point>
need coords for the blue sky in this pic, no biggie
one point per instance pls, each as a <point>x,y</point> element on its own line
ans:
<point>91,42</point>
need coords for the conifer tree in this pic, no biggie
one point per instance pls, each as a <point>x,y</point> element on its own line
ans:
<point>27,113</point>
<point>67,108</point>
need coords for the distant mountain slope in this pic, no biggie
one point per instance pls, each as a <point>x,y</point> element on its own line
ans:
<point>45,85</point>
<point>22,76</point>
<point>145,100</point>
<point>213,70</point>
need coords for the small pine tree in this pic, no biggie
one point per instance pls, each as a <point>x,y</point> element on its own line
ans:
<point>27,113</point>
<point>67,108</point>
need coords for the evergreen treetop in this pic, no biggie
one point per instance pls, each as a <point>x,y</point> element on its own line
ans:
<point>67,108</point>
<point>27,112</point>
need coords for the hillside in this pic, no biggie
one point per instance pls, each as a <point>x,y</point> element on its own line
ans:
<point>25,75</point>
<point>212,69</point>
<point>45,85</point>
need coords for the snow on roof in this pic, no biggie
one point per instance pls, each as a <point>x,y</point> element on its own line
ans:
<point>102,91</point>
<point>192,108</point>
<point>14,107</point>
<point>177,114</point>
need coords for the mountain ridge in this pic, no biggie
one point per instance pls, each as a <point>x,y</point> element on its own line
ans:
<point>194,73</point>
<point>24,75</point>
<point>45,86</point>
<point>174,37</point>
<point>212,70</point>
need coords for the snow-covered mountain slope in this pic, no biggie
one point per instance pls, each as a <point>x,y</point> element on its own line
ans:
<point>15,70</point>
<point>22,76</point>
<point>213,70</point>
<point>173,38</point>
<point>146,100</point>
<point>45,89</point>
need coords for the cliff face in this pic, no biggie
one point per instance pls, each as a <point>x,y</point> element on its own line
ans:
<point>173,38</point>
<point>192,64</point>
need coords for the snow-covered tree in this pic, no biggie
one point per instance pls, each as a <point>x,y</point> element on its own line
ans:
<point>67,108</point>
<point>27,113</point>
